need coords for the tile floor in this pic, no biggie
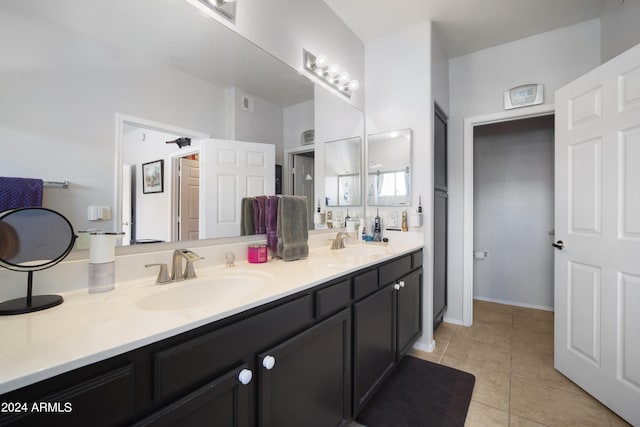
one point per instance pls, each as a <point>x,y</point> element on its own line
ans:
<point>510,351</point>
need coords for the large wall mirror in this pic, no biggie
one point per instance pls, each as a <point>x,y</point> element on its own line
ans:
<point>389,168</point>
<point>93,91</point>
<point>342,172</point>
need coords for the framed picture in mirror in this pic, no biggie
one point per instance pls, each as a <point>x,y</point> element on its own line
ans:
<point>153,177</point>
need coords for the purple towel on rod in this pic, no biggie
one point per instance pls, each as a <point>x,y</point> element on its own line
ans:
<point>20,193</point>
<point>259,208</point>
<point>271,219</point>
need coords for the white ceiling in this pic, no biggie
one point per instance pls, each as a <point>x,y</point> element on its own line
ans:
<point>464,26</point>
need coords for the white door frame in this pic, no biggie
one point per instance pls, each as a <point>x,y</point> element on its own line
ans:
<point>125,119</point>
<point>287,183</point>
<point>467,256</point>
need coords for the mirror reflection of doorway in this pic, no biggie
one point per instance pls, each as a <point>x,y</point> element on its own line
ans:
<point>302,177</point>
<point>171,214</point>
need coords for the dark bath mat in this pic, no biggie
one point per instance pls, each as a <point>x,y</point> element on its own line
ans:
<point>420,393</point>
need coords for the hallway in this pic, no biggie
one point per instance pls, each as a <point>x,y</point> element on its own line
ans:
<point>510,351</point>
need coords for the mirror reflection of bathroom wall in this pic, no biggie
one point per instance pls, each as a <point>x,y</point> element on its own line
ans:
<point>342,174</point>
<point>339,152</point>
<point>157,77</point>
<point>389,168</point>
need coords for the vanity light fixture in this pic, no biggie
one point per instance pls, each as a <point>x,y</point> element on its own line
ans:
<point>330,73</point>
<point>227,8</point>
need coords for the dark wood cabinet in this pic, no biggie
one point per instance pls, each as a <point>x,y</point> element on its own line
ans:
<point>374,343</point>
<point>409,312</point>
<point>331,346</point>
<point>306,381</point>
<point>224,401</point>
<point>386,324</point>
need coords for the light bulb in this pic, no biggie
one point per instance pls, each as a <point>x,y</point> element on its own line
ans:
<point>345,77</point>
<point>353,85</point>
<point>334,69</point>
<point>321,61</point>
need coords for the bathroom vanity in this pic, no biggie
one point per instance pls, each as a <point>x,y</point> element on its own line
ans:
<point>312,354</point>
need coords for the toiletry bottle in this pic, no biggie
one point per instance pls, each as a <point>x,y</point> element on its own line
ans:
<point>405,225</point>
<point>419,204</point>
<point>377,228</point>
<point>363,234</point>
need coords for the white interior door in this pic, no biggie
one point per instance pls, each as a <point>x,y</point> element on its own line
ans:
<point>597,272</point>
<point>230,171</point>
<point>126,204</point>
<point>189,202</point>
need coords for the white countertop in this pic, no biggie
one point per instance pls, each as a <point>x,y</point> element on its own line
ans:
<point>88,328</point>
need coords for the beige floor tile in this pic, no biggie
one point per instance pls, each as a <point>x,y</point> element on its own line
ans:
<point>528,319</point>
<point>482,354</point>
<point>493,307</point>
<point>491,387</point>
<point>532,343</point>
<point>445,331</point>
<point>480,415</point>
<point>554,407</point>
<point>538,369</point>
<point>493,318</point>
<point>498,335</point>
<point>516,421</point>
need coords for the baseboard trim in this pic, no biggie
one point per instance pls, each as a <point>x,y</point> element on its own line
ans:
<point>429,348</point>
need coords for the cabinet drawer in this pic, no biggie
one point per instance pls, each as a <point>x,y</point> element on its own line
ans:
<point>333,298</point>
<point>103,400</point>
<point>416,260</point>
<point>395,270</point>
<point>198,359</point>
<point>365,283</point>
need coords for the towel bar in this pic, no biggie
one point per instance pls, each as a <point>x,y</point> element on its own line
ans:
<point>63,184</point>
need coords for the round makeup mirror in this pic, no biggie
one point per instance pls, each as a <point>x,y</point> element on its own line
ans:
<point>33,239</point>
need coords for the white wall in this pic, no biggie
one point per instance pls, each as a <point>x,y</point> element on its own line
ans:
<point>285,27</point>
<point>297,119</point>
<point>61,91</point>
<point>264,124</point>
<point>398,88</point>
<point>476,85</point>
<point>513,212</point>
<point>439,74</point>
<point>619,27</point>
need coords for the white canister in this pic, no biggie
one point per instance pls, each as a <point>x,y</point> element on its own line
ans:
<point>102,266</point>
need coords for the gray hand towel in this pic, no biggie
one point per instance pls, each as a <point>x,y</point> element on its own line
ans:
<point>247,227</point>
<point>293,228</point>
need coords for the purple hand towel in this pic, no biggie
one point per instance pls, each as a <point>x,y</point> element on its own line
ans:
<point>271,219</point>
<point>20,193</point>
<point>259,209</point>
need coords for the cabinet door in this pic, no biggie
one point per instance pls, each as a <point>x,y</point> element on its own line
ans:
<point>223,402</point>
<point>409,311</point>
<point>374,343</point>
<point>306,381</point>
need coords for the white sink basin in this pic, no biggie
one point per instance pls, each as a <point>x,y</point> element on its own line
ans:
<point>362,250</point>
<point>223,288</point>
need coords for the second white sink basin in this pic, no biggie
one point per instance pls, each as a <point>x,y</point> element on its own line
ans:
<point>221,288</point>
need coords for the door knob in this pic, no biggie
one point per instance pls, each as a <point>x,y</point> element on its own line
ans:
<point>245,376</point>
<point>559,244</point>
<point>396,286</point>
<point>268,362</point>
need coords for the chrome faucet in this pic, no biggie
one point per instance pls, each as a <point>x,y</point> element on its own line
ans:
<point>189,273</point>
<point>338,242</point>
